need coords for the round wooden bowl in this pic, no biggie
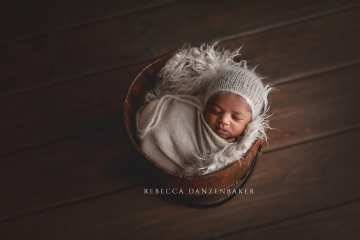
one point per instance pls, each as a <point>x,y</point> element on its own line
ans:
<point>206,190</point>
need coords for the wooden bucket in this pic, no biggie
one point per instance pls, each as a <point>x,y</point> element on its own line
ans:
<point>202,191</point>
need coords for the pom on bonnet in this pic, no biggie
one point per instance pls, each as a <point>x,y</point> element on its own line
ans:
<point>206,70</point>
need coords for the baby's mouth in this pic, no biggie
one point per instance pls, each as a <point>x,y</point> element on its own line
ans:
<point>222,133</point>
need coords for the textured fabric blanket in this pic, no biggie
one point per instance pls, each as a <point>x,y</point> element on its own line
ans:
<point>174,133</point>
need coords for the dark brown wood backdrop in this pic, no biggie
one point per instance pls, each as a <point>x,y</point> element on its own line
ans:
<point>68,170</point>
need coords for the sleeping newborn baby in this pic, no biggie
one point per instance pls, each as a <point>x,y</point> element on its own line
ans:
<point>205,113</point>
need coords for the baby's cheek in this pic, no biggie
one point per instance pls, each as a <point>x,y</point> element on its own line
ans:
<point>240,128</point>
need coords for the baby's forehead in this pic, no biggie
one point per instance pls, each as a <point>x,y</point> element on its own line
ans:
<point>224,95</point>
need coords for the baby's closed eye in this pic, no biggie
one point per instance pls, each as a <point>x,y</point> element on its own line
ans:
<point>237,117</point>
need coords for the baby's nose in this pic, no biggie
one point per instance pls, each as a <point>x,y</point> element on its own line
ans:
<point>225,119</point>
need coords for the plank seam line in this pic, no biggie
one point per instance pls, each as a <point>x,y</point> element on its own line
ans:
<point>116,67</point>
<point>123,189</point>
<point>288,22</point>
<point>71,202</point>
<point>315,72</point>
<point>280,81</point>
<point>74,77</point>
<point>290,218</point>
<point>119,13</point>
<point>315,138</point>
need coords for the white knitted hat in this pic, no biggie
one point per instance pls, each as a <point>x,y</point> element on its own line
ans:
<point>243,82</point>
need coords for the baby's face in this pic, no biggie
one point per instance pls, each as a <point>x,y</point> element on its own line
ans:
<point>228,115</point>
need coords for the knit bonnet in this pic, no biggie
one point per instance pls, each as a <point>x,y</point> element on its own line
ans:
<point>241,81</point>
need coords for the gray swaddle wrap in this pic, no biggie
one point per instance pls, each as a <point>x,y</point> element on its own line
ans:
<point>174,134</point>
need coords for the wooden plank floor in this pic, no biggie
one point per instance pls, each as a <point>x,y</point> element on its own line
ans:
<point>68,170</point>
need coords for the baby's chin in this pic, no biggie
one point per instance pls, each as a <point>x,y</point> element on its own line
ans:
<point>230,140</point>
<point>226,137</point>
